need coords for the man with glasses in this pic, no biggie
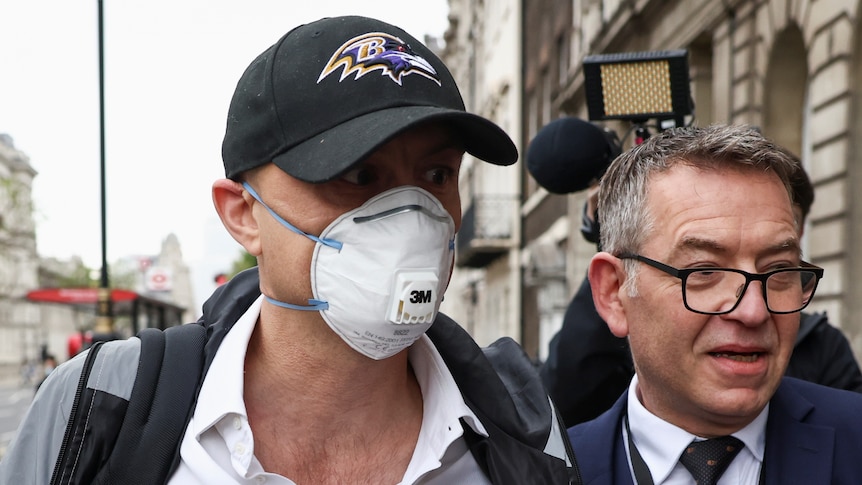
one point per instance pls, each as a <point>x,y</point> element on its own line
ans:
<point>586,352</point>
<point>701,271</point>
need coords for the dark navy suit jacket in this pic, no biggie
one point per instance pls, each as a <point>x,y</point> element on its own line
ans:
<point>813,436</point>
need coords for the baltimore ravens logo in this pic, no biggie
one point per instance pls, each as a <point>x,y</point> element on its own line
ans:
<point>377,51</point>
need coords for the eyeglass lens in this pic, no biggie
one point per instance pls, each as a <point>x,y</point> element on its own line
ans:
<point>718,291</point>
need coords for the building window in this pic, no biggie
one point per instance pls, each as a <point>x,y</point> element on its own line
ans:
<point>562,58</point>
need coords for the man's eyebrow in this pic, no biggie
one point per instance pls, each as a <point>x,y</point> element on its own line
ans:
<point>691,245</point>
<point>789,244</point>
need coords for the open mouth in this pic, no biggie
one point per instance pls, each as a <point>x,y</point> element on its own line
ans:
<point>738,357</point>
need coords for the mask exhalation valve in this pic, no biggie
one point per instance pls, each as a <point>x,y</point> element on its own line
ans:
<point>414,297</point>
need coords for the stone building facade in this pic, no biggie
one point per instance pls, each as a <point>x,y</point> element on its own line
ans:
<point>484,292</point>
<point>791,68</point>
<point>27,329</point>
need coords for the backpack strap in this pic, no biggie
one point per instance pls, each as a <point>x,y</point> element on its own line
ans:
<point>67,465</point>
<point>166,385</point>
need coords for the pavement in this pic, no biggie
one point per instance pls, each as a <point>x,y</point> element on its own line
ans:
<point>15,398</point>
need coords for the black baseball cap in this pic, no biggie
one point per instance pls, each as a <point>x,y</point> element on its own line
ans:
<point>330,92</point>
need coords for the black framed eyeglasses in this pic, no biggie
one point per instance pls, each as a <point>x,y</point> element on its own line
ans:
<point>716,291</point>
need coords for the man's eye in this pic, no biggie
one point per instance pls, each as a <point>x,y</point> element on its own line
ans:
<point>359,176</point>
<point>439,176</point>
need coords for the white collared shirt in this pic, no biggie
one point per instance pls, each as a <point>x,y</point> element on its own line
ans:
<point>660,444</point>
<point>218,445</point>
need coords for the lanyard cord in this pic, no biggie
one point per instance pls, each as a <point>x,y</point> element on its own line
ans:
<point>642,473</point>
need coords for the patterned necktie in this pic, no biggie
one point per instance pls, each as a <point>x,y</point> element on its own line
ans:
<point>707,460</point>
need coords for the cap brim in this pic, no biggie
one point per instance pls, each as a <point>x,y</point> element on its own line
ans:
<point>328,155</point>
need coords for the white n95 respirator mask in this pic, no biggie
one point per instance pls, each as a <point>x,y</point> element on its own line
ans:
<point>379,271</point>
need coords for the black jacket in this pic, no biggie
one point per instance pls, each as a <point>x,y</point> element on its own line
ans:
<point>823,355</point>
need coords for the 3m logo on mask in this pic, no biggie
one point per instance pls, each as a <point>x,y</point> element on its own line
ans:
<point>420,296</point>
<point>413,297</point>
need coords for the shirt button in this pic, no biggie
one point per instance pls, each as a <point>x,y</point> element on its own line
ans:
<point>237,423</point>
<point>260,479</point>
<point>239,449</point>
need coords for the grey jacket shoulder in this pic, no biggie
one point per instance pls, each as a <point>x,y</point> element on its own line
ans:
<point>32,453</point>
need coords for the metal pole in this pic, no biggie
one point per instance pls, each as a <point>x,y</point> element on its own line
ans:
<point>104,316</point>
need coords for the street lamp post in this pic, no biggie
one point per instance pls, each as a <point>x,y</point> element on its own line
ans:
<point>104,314</point>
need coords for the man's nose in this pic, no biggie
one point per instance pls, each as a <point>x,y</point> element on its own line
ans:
<point>752,309</point>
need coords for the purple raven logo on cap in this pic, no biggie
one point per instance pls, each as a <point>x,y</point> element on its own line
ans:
<point>378,51</point>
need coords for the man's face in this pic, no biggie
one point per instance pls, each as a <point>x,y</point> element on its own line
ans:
<point>426,157</point>
<point>711,373</point>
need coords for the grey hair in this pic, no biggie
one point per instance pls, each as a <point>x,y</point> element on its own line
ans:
<point>622,206</point>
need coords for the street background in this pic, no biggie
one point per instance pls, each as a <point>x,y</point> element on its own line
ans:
<point>15,396</point>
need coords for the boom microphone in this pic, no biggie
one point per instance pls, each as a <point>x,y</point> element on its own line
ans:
<point>569,154</point>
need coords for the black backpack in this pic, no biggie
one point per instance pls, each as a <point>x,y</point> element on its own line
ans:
<point>167,380</point>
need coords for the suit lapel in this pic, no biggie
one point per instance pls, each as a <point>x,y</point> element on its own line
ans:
<point>796,452</point>
<point>602,457</point>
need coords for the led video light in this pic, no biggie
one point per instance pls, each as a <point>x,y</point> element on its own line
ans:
<point>638,85</point>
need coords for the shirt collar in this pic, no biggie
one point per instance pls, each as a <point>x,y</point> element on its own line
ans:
<point>660,443</point>
<point>443,408</point>
<point>441,396</point>
<point>223,396</point>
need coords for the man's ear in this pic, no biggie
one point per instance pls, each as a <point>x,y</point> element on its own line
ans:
<point>234,206</point>
<point>607,276</point>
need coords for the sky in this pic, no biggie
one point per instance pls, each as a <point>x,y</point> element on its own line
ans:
<point>170,68</point>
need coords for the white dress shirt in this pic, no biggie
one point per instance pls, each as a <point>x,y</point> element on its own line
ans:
<point>660,444</point>
<point>218,445</point>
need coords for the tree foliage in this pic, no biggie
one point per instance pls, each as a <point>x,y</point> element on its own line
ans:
<point>243,262</point>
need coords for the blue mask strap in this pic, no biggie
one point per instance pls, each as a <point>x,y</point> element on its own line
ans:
<point>326,242</point>
<point>313,305</point>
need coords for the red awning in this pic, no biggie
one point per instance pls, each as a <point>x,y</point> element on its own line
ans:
<point>77,295</point>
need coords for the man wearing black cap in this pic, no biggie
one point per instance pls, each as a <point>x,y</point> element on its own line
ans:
<point>329,362</point>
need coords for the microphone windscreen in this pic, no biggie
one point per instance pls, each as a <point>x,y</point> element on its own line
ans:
<point>567,155</point>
